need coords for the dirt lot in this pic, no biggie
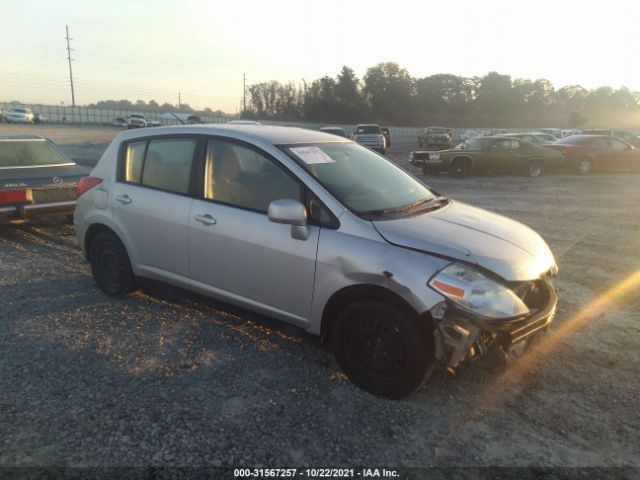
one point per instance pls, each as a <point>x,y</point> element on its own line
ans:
<point>169,378</point>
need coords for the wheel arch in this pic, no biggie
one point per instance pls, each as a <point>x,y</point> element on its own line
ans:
<point>354,293</point>
<point>97,228</point>
<point>465,158</point>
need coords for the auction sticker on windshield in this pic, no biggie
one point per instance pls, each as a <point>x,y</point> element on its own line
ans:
<point>312,155</point>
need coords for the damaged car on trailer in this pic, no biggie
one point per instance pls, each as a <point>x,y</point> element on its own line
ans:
<point>36,179</point>
<point>321,233</point>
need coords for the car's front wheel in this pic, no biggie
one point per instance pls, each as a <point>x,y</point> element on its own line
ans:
<point>584,166</point>
<point>381,349</point>
<point>458,168</point>
<point>110,265</point>
<point>534,168</point>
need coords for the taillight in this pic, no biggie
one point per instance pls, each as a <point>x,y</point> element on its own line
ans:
<point>15,196</point>
<point>86,184</point>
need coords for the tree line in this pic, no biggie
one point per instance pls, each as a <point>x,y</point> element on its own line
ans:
<point>388,94</point>
<point>153,106</point>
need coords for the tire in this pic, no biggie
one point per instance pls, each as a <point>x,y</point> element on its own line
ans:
<point>534,168</point>
<point>110,265</point>
<point>381,349</point>
<point>584,166</point>
<point>458,168</point>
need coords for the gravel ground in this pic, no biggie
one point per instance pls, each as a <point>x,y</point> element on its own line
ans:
<point>167,378</point>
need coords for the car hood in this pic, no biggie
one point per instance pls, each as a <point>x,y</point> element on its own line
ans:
<point>459,231</point>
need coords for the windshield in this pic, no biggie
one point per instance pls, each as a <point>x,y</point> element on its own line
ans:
<point>437,131</point>
<point>362,180</point>
<point>29,153</point>
<point>477,143</point>
<point>368,129</point>
<point>18,110</point>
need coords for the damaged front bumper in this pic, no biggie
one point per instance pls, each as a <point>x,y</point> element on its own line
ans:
<point>462,337</point>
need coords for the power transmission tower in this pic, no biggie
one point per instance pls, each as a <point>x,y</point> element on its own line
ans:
<point>73,96</point>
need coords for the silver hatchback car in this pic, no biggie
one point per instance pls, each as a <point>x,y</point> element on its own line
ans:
<point>322,233</point>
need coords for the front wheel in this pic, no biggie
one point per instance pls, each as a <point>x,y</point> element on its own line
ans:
<point>584,166</point>
<point>381,349</point>
<point>458,168</point>
<point>534,168</point>
<point>110,265</point>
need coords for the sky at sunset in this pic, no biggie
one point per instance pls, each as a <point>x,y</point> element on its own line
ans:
<point>154,49</point>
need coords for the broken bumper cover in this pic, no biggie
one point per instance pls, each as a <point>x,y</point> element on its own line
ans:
<point>461,336</point>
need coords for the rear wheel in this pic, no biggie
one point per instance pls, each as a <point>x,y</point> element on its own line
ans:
<point>458,168</point>
<point>381,349</point>
<point>534,168</point>
<point>584,166</point>
<point>110,265</point>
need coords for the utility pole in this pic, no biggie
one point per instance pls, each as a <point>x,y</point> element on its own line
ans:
<point>244,93</point>
<point>73,96</point>
<point>178,100</point>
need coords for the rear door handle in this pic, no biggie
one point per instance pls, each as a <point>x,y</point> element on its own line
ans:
<point>124,199</point>
<point>207,220</point>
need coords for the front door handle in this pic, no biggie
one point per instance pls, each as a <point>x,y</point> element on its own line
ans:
<point>207,220</point>
<point>124,199</point>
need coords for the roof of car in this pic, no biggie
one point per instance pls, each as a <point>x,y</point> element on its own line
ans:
<point>274,135</point>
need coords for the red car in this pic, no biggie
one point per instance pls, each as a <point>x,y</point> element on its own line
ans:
<point>587,153</point>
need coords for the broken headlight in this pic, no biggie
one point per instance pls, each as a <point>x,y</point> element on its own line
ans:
<point>472,291</point>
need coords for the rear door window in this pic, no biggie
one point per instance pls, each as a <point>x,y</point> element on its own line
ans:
<point>163,163</point>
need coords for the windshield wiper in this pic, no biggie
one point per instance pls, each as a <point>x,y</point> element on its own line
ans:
<point>431,203</point>
<point>413,205</point>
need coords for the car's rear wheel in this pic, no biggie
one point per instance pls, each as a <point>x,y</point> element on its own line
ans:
<point>110,265</point>
<point>534,168</point>
<point>381,349</point>
<point>458,168</point>
<point>584,166</point>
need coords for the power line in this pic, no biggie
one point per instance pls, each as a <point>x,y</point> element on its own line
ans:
<point>73,96</point>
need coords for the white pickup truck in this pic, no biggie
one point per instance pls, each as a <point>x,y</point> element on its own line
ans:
<point>370,135</point>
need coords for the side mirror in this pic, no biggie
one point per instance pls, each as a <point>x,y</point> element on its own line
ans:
<point>290,212</point>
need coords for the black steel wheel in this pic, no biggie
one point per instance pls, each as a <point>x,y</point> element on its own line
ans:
<point>381,349</point>
<point>110,265</point>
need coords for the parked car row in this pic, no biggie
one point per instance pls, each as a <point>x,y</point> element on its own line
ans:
<point>21,115</point>
<point>530,154</point>
<point>134,120</point>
